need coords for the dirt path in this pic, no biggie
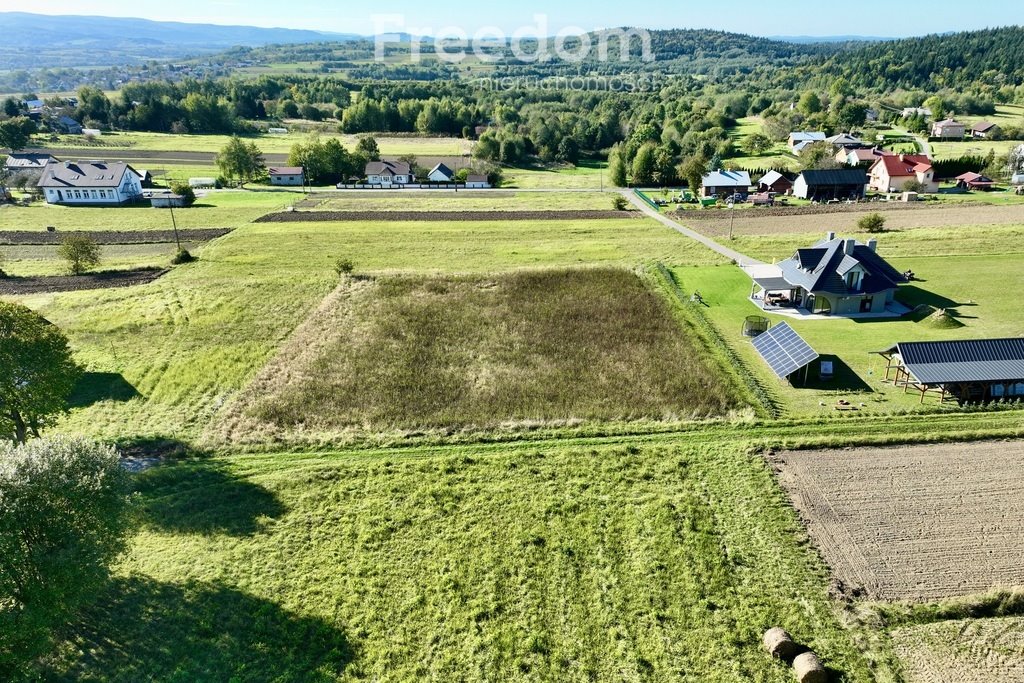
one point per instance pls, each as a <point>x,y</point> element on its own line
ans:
<point>740,259</point>
<point>919,522</point>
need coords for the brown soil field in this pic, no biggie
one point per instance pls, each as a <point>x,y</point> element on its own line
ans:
<point>15,286</point>
<point>41,237</point>
<point>441,216</point>
<point>917,522</point>
<point>750,223</point>
<point>971,651</point>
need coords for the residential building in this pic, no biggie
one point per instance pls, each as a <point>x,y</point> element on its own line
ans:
<point>844,140</point>
<point>388,173</point>
<point>800,140</point>
<point>860,155</point>
<point>830,185</point>
<point>90,183</point>
<point>834,277</point>
<point>985,130</point>
<point>974,181</point>
<point>893,173</point>
<point>719,183</point>
<point>287,175</point>
<point>773,181</point>
<point>441,174</point>
<point>949,130</point>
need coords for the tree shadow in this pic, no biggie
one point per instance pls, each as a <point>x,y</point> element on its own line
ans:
<point>203,497</point>
<point>95,387</point>
<point>144,630</point>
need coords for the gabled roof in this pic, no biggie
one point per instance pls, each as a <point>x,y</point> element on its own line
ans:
<point>823,267</point>
<point>386,167</point>
<point>980,360</point>
<point>25,161</point>
<point>904,164</point>
<point>844,176</point>
<point>861,154</point>
<point>727,179</point>
<point>974,178</point>
<point>843,139</point>
<point>983,126</point>
<point>285,170</point>
<point>772,177</point>
<point>806,136</point>
<point>60,174</point>
<point>443,169</point>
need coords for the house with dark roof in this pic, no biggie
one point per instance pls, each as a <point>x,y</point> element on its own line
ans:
<point>388,173</point>
<point>844,140</point>
<point>719,183</point>
<point>287,176</point>
<point>892,173</point>
<point>968,371</point>
<point>802,139</point>
<point>985,130</point>
<point>19,162</point>
<point>441,174</point>
<point>773,181</point>
<point>90,183</point>
<point>827,185</point>
<point>834,277</point>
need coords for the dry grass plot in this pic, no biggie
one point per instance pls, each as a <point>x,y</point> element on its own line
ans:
<point>971,651</point>
<point>922,522</point>
<point>481,352</point>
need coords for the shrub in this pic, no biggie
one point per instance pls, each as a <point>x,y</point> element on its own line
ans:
<point>344,267</point>
<point>619,203</point>
<point>81,252</point>
<point>2,273</point>
<point>186,191</point>
<point>872,223</point>
<point>183,256</point>
<point>64,516</point>
<point>914,186</point>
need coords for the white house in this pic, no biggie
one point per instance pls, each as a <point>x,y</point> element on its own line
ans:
<point>90,183</point>
<point>287,175</point>
<point>388,173</point>
<point>441,174</point>
<point>477,182</point>
<point>892,173</point>
<point>949,129</point>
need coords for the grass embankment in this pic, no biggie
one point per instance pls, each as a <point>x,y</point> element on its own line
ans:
<point>635,563</point>
<point>481,353</point>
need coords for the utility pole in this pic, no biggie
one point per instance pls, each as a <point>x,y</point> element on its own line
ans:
<point>170,205</point>
<point>732,219</point>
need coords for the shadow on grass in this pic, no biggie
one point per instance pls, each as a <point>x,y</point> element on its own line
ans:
<point>913,296</point>
<point>197,496</point>
<point>844,379</point>
<point>95,387</point>
<point>144,630</point>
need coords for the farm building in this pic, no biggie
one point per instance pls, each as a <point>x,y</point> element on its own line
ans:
<point>985,130</point>
<point>287,175</point>
<point>388,173</point>
<point>477,182</point>
<point>974,181</point>
<point>829,185</point>
<point>800,140</point>
<point>145,177</point>
<point>441,174</point>
<point>90,183</point>
<point>893,173</point>
<point>720,182</point>
<point>197,183</point>
<point>773,181</point>
<point>19,162</point>
<point>949,130</point>
<point>971,371</point>
<point>834,277</point>
<point>167,200</point>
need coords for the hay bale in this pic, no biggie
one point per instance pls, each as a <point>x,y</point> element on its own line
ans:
<point>808,669</point>
<point>780,644</point>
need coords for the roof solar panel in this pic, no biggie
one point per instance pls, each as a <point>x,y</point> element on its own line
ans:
<point>784,350</point>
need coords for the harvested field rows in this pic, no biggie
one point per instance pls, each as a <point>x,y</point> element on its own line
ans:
<point>470,200</point>
<point>922,522</point>
<point>972,651</point>
<point>442,216</point>
<point>750,223</point>
<point>39,237</point>
<point>17,286</point>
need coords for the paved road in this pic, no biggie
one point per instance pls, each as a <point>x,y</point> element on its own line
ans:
<point>741,259</point>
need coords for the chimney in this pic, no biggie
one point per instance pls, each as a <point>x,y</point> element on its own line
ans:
<point>848,246</point>
<point>873,245</point>
<point>830,236</point>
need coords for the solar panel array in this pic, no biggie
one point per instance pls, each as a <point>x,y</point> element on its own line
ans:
<point>784,350</point>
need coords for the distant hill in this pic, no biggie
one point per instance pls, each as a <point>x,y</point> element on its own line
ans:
<point>34,40</point>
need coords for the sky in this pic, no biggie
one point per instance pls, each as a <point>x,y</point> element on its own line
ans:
<point>427,17</point>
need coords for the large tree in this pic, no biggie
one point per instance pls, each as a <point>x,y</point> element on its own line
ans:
<point>15,133</point>
<point>242,160</point>
<point>37,372</point>
<point>64,514</point>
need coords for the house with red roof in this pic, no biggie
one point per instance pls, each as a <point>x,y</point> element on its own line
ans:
<point>894,173</point>
<point>975,181</point>
<point>856,157</point>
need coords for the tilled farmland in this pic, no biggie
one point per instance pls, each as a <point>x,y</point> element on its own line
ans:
<point>916,522</point>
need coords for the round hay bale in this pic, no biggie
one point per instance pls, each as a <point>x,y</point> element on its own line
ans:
<point>780,644</point>
<point>808,669</point>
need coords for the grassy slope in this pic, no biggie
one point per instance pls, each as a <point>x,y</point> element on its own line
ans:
<point>469,201</point>
<point>629,564</point>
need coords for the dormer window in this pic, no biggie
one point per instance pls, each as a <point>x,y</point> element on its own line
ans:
<point>853,279</point>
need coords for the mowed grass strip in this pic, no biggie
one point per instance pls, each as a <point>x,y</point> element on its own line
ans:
<point>544,347</point>
<point>469,200</point>
<point>556,564</point>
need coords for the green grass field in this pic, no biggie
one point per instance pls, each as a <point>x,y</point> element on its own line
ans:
<point>475,200</point>
<point>777,157</point>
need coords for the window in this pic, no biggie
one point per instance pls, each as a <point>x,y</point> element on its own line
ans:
<point>998,391</point>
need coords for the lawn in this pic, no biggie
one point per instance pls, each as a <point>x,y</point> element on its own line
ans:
<point>475,200</point>
<point>961,148</point>
<point>484,352</point>
<point>776,157</point>
<point>973,277</point>
<point>635,563</point>
<point>24,261</point>
<point>586,176</point>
